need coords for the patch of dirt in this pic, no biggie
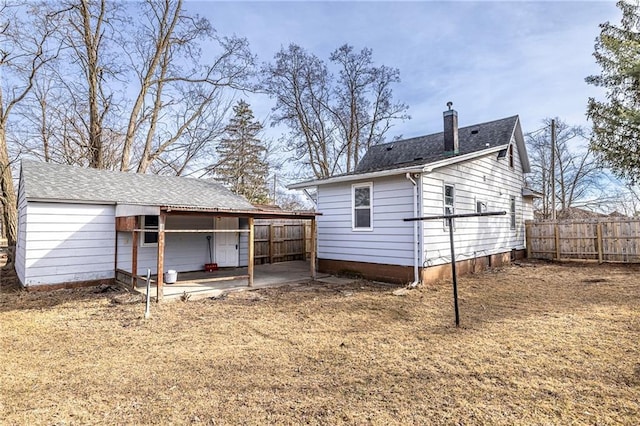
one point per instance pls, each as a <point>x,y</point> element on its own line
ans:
<point>536,346</point>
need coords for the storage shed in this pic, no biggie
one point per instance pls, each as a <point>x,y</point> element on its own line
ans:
<point>81,226</point>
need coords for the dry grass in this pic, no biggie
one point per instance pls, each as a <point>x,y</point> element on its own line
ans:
<point>540,344</point>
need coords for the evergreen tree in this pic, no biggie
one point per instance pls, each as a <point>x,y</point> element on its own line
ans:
<point>616,121</point>
<point>242,166</point>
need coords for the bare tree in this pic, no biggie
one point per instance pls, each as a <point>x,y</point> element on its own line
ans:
<point>578,175</point>
<point>24,35</point>
<point>332,121</point>
<point>176,91</point>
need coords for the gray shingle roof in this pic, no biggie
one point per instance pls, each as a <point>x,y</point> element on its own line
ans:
<point>56,182</point>
<point>428,149</point>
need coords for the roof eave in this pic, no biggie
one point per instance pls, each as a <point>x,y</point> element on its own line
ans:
<point>460,158</point>
<point>353,177</point>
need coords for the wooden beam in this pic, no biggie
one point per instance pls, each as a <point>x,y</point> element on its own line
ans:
<point>195,231</point>
<point>251,253</point>
<point>312,261</point>
<point>160,270</point>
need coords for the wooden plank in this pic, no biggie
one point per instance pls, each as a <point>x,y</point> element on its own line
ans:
<point>599,241</point>
<point>126,224</point>
<point>556,230</point>
<point>214,279</point>
<point>252,260</point>
<point>271,242</point>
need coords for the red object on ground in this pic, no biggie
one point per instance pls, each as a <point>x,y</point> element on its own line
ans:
<point>210,267</point>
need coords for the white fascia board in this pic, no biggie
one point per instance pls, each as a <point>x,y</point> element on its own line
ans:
<point>64,201</point>
<point>361,176</point>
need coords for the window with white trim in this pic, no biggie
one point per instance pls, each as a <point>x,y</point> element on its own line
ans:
<point>149,239</point>
<point>449,202</point>
<point>512,212</point>
<point>362,211</point>
<point>481,206</point>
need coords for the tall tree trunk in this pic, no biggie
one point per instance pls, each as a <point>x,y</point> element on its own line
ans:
<point>7,192</point>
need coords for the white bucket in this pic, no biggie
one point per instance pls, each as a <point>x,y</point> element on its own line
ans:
<point>170,276</point>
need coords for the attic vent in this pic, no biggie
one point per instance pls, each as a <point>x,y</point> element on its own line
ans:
<point>417,159</point>
<point>474,132</point>
<point>390,147</point>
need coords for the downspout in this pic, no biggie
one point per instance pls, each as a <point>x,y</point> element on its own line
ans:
<point>416,240</point>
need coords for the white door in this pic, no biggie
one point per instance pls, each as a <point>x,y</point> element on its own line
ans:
<point>226,243</point>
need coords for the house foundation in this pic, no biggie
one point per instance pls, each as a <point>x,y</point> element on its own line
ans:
<point>404,274</point>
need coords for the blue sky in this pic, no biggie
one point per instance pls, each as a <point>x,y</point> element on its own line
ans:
<point>491,59</point>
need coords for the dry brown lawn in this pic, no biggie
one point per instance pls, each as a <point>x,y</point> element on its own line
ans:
<point>539,344</point>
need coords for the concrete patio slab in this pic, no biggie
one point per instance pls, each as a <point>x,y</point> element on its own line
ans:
<point>267,275</point>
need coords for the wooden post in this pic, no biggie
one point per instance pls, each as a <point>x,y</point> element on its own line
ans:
<point>304,241</point>
<point>556,232</point>
<point>251,252</point>
<point>159,280</point>
<point>599,240</point>
<point>527,237</point>
<point>272,236</point>
<point>134,258</point>
<point>312,261</point>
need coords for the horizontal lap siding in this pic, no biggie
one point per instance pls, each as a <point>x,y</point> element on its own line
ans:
<point>390,242</point>
<point>485,179</point>
<point>183,251</point>
<point>21,243</point>
<point>68,243</point>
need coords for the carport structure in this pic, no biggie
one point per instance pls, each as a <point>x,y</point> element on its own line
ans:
<point>180,220</point>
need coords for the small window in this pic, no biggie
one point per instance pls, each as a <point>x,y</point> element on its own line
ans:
<point>511,156</point>
<point>362,211</point>
<point>512,212</point>
<point>449,202</point>
<point>149,239</point>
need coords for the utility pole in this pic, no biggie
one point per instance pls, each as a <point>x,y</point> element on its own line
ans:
<point>553,169</point>
<point>275,181</point>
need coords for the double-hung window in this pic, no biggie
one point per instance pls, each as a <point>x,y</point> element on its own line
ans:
<point>449,202</point>
<point>362,210</point>
<point>149,239</point>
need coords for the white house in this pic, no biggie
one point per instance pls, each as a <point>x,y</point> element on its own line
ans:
<point>80,226</point>
<point>478,168</point>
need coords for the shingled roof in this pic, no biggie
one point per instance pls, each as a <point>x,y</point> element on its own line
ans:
<point>54,182</point>
<point>428,149</point>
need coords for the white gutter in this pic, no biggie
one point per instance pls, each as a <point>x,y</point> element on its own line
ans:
<point>416,237</point>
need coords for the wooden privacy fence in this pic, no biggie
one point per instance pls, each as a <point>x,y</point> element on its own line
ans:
<point>602,239</point>
<point>281,241</point>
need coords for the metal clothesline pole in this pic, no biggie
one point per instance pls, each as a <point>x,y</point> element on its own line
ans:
<point>449,218</point>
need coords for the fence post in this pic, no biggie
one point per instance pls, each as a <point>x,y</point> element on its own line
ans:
<point>556,232</point>
<point>271,243</point>
<point>527,237</point>
<point>599,240</point>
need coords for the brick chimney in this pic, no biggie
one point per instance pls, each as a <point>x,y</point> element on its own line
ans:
<point>451,131</point>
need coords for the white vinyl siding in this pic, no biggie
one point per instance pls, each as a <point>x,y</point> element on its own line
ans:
<point>21,243</point>
<point>488,179</point>
<point>67,242</point>
<point>390,241</point>
<point>183,251</point>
